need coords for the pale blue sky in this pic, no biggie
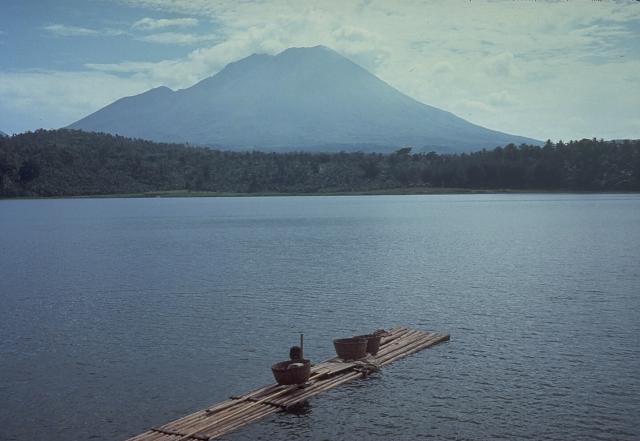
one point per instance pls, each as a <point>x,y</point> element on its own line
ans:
<point>36,35</point>
<point>559,70</point>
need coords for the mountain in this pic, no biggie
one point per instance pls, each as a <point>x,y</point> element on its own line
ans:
<point>3,135</point>
<point>301,99</point>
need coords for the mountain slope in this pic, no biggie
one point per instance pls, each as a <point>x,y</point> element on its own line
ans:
<point>302,98</point>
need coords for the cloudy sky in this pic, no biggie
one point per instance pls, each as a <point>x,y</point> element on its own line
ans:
<point>558,70</point>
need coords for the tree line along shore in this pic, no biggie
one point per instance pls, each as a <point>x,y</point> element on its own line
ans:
<point>59,163</point>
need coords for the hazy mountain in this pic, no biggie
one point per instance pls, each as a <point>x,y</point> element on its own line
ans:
<point>3,135</point>
<point>302,98</point>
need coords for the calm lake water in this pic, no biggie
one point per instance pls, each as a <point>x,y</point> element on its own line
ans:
<point>121,314</point>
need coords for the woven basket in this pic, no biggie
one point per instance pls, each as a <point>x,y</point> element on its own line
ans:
<point>351,348</point>
<point>285,374</point>
<point>373,342</point>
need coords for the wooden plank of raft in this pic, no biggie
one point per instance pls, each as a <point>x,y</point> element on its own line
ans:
<point>416,345</point>
<point>171,432</point>
<point>239,411</point>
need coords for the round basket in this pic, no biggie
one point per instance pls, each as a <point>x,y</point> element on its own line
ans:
<point>373,342</point>
<point>351,348</point>
<point>284,373</point>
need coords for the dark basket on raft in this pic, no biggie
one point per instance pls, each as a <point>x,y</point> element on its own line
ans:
<point>373,342</point>
<point>284,373</point>
<point>351,348</point>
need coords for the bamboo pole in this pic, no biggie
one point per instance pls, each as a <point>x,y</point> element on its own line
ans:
<point>396,333</point>
<point>403,345</point>
<point>222,427</point>
<point>239,424</point>
<point>430,341</point>
<point>188,425</point>
<point>340,380</point>
<point>231,414</point>
<point>217,419</point>
<point>173,432</point>
<point>187,421</point>
<point>252,404</point>
<point>240,420</point>
<point>400,343</point>
<point>330,384</point>
<point>402,348</point>
<point>400,351</point>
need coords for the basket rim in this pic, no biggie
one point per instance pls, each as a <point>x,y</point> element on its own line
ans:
<point>283,365</point>
<point>368,336</point>
<point>350,340</point>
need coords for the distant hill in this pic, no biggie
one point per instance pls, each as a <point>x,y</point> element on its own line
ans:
<point>2,134</point>
<point>72,162</point>
<point>301,99</point>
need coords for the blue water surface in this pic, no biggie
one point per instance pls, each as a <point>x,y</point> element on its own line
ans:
<point>121,314</point>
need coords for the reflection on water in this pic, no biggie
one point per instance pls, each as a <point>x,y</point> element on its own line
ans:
<point>122,314</point>
<point>299,409</point>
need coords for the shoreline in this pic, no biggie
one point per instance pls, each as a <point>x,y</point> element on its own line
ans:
<point>384,192</point>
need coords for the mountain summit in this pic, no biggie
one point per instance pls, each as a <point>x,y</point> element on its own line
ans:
<point>301,99</point>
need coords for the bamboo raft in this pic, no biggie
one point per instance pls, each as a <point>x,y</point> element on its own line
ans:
<point>238,411</point>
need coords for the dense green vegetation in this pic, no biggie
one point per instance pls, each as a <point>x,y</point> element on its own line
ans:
<point>71,162</point>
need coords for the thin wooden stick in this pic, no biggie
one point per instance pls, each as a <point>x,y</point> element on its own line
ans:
<point>330,384</point>
<point>173,432</point>
<point>282,392</point>
<point>239,420</point>
<point>424,344</point>
<point>223,426</point>
<point>242,423</point>
<point>225,405</point>
<point>406,347</point>
<point>302,346</point>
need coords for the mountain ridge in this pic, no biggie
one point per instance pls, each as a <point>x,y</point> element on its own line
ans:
<point>300,99</point>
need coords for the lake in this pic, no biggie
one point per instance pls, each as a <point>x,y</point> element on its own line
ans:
<point>122,314</point>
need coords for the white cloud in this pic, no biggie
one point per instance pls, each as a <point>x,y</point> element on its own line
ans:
<point>181,73</point>
<point>50,99</point>
<point>176,38</point>
<point>70,31</point>
<point>501,99</point>
<point>520,67</point>
<point>466,106</point>
<point>152,24</point>
<point>61,30</point>
<point>502,65</point>
<point>170,73</point>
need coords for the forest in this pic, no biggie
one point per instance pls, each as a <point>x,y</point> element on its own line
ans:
<point>75,163</point>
